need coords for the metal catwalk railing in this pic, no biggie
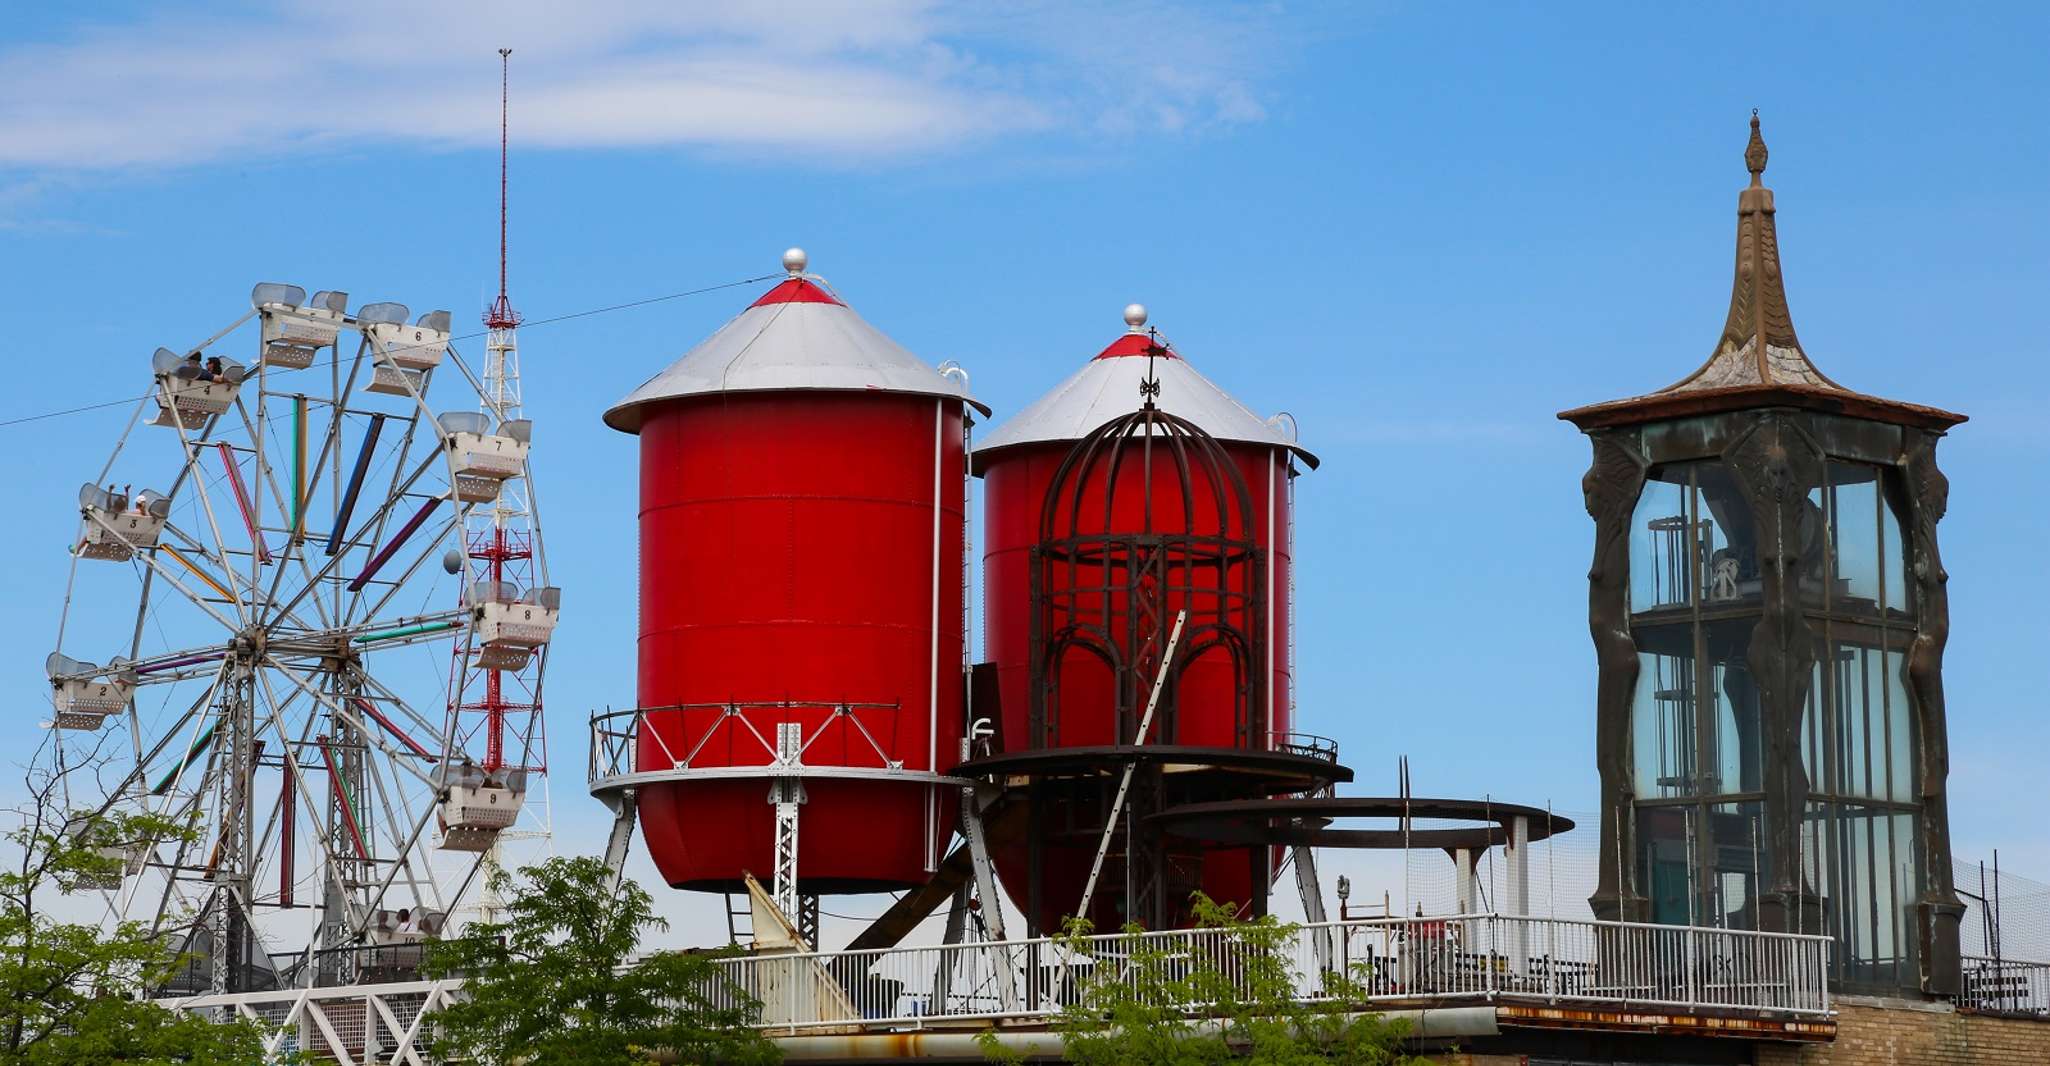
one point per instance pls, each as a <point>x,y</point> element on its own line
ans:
<point>2006,986</point>
<point>383,1023</point>
<point>1465,958</point>
<point>1411,961</point>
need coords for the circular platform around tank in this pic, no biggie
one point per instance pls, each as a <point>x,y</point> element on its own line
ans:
<point>1285,771</point>
<point>1306,821</point>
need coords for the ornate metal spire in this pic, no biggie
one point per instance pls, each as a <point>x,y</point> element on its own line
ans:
<point>1758,345</point>
<point>1758,352</point>
<point>1754,153</point>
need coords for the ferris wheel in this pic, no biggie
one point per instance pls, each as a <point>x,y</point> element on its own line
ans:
<point>308,616</point>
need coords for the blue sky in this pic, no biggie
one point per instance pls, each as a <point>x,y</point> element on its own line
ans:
<point>1421,229</point>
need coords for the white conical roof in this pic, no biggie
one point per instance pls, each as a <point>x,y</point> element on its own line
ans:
<point>1108,386</point>
<point>798,336</point>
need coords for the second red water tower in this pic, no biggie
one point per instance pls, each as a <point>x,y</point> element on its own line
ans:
<point>1206,484</point>
<point>802,533</point>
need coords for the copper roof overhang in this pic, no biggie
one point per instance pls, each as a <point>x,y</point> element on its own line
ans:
<point>1659,407</point>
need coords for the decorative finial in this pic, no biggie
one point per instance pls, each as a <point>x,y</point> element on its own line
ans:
<point>1135,317</point>
<point>1149,386</point>
<point>1754,153</point>
<point>794,261</point>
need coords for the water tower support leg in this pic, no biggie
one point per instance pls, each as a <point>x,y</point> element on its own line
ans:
<point>622,835</point>
<point>787,793</point>
<point>1000,959</point>
<point>957,932</point>
<point>985,870</point>
<point>808,918</point>
<point>1519,891</point>
<point>1305,859</point>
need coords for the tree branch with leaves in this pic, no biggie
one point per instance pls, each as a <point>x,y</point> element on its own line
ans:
<point>558,982</point>
<point>77,993</point>
<point>1231,994</point>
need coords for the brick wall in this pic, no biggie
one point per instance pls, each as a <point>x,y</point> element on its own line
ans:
<point>1890,1032</point>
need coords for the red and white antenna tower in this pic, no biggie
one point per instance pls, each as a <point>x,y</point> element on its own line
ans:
<point>495,709</point>
<point>501,315</point>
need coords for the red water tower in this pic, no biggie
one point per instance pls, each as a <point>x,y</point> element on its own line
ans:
<point>802,536</point>
<point>1018,462</point>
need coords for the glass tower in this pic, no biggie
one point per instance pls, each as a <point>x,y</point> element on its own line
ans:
<point>1768,611</point>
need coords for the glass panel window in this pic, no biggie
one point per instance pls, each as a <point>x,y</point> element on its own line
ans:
<point>1728,552</point>
<point>1815,731</point>
<point>1811,580</point>
<point>1857,740</point>
<point>1687,739</point>
<point>1661,572</point>
<point>1691,540</point>
<point>1894,555</point>
<point>1733,739</point>
<point>1663,735</point>
<point>1865,859</point>
<point>1900,731</point>
<point>1666,870</point>
<point>1854,514</point>
<point>1739,863</point>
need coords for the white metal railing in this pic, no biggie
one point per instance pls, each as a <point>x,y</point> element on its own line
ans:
<point>350,1023</point>
<point>1465,959</point>
<point>2006,986</point>
<point>1470,957</point>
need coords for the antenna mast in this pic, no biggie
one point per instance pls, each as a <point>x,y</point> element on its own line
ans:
<point>501,316</point>
<point>492,707</point>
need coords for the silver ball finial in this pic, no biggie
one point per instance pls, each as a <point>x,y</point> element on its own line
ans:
<point>1135,316</point>
<point>794,260</point>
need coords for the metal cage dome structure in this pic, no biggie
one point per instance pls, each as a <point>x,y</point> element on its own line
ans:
<point>1119,556</point>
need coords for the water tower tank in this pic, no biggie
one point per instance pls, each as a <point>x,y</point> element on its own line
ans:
<point>802,529</point>
<point>1018,460</point>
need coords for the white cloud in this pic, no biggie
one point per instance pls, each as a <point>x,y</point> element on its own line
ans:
<point>883,79</point>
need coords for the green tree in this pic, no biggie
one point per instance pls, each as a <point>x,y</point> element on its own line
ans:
<point>556,983</point>
<point>1228,997</point>
<point>74,993</point>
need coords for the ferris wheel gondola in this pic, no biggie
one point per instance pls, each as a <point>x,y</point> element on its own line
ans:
<point>293,675</point>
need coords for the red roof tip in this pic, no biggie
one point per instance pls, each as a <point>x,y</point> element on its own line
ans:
<point>1136,344</point>
<point>796,291</point>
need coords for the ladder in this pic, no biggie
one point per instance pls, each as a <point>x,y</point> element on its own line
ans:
<point>740,921</point>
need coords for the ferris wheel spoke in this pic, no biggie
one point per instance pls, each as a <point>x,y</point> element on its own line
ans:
<point>419,720</point>
<point>194,547</point>
<point>283,813</point>
<point>372,528</point>
<point>533,517</point>
<point>160,570</point>
<point>335,707</point>
<point>398,584</point>
<point>206,506</point>
<point>401,489</point>
<point>295,523</point>
<point>195,804</point>
<point>186,814</point>
<point>476,383</point>
<point>334,864</point>
<point>137,780</point>
<point>401,847</point>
